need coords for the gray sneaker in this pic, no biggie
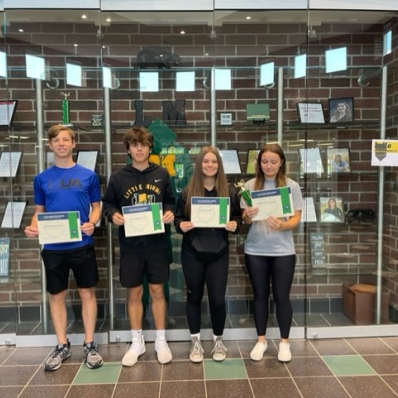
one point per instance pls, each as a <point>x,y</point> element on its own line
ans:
<point>196,351</point>
<point>60,354</point>
<point>219,351</point>
<point>91,356</point>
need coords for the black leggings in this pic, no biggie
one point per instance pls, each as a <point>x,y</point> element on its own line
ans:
<point>215,275</point>
<point>279,270</point>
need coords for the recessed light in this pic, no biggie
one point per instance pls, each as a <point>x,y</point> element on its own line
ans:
<point>84,16</point>
<point>20,30</point>
<point>76,45</point>
<point>182,32</point>
<point>108,20</point>
<point>248,17</point>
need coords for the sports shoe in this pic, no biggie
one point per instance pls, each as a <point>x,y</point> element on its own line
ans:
<point>91,356</point>
<point>257,352</point>
<point>162,350</point>
<point>60,354</point>
<point>196,351</point>
<point>284,354</point>
<point>136,349</point>
<point>219,351</point>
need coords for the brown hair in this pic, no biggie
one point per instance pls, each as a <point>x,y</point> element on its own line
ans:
<point>196,185</point>
<point>56,129</point>
<point>138,135</point>
<point>280,179</point>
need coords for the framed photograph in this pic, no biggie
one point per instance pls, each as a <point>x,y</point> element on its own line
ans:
<point>341,110</point>
<point>7,112</point>
<point>338,160</point>
<point>13,214</point>
<point>251,161</point>
<point>331,210</point>
<point>9,163</point>
<point>87,159</point>
<point>230,161</point>
<point>311,112</point>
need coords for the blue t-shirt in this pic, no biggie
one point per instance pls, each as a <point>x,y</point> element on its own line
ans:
<point>72,189</point>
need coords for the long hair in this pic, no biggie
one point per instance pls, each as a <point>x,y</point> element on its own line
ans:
<point>347,112</point>
<point>196,185</point>
<point>280,179</point>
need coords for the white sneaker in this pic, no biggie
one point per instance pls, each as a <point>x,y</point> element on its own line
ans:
<point>219,352</point>
<point>136,349</point>
<point>162,350</point>
<point>257,352</point>
<point>196,351</point>
<point>284,354</point>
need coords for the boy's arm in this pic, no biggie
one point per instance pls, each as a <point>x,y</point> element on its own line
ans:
<point>31,230</point>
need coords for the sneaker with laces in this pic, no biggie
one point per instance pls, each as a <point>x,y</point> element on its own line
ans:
<point>196,351</point>
<point>219,351</point>
<point>284,354</point>
<point>59,355</point>
<point>257,352</point>
<point>162,350</point>
<point>136,349</point>
<point>91,356</point>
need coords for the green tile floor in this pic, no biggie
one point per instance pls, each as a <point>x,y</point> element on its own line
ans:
<point>366,367</point>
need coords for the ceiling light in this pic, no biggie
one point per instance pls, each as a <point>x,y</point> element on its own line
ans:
<point>20,30</point>
<point>108,20</point>
<point>84,16</point>
<point>182,32</point>
<point>248,17</point>
<point>76,45</point>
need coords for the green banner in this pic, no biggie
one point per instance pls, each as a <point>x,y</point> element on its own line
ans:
<point>73,217</point>
<point>223,210</point>
<point>285,199</point>
<point>156,217</point>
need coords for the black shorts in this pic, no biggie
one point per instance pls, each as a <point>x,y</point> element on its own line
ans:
<point>154,264</point>
<point>58,263</point>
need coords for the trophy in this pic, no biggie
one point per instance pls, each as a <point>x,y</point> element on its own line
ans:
<point>244,192</point>
<point>65,109</point>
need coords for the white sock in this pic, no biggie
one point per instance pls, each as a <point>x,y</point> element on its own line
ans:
<point>136,334</point>
<point>215,337</point>
<point>195,335</point>
<point>161,334</point>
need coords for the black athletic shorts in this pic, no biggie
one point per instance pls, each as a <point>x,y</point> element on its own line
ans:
<point>58,263</point>
<point>154,264</point>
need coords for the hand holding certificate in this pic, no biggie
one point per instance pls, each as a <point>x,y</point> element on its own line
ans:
<point>275,202</point>
<point>59,227</point>
<point>143,219</point>
<point>209,212</point>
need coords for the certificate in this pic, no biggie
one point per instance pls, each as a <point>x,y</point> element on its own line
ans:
<point>143,219</point>
<point>209,212</point>
<point>59,227</point>
<point>275,202</point>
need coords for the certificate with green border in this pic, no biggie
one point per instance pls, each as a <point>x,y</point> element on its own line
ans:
<point>276,202</point>
<point>209,212</point>
<point>143,219</point>
<point>59,227</point>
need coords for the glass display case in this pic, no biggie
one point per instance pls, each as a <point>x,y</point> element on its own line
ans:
<point>235,79</point>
